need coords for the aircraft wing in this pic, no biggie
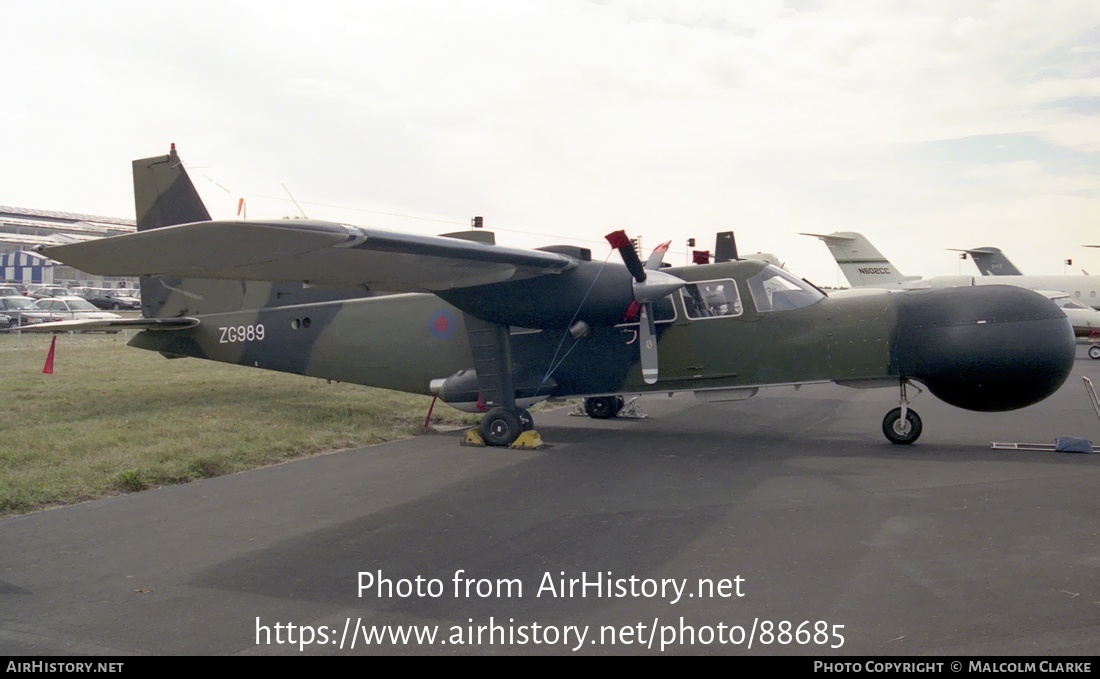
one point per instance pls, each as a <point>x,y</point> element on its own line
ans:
<point>309,251</point>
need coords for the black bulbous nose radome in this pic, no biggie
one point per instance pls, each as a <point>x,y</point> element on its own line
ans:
<point>985,348</point>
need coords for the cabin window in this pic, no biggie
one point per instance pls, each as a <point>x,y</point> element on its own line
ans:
<point>1067,302</point>
<point>664,311</point>
<point>711,299</point>
<point>774,289</point>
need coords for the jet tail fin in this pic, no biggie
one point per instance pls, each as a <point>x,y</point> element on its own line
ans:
<point>991,261</point>
<point>861,263</point>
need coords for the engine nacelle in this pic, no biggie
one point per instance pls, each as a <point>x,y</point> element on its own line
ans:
<point>461,392</point>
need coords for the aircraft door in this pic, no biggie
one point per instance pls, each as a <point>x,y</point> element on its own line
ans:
<point>701,351</point>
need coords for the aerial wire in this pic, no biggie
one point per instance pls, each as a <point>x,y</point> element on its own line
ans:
<point>554,366</point>
<point>295,201</point>
<point>401,215</point>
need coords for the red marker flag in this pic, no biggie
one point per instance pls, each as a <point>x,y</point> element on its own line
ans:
<point>48,368</point>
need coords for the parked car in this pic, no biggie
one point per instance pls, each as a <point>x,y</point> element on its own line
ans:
<point>20,288</point>
<point>10,291</point>
<point>45,291</point>
<point>74,308</point>
<point>24,311</point>
<point>112,298</point>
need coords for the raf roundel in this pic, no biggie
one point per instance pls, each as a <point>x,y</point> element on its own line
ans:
<point>442,324</point>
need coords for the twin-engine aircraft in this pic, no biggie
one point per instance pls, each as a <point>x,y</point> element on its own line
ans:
<point>496,329</point>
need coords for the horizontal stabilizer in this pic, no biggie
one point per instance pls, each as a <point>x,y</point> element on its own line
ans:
<point>828,236</point>
<point>114,324</point>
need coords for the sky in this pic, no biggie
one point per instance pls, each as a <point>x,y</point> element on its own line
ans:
<point>923,125</point>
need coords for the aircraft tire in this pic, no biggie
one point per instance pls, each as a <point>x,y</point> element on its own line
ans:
<point>501,427</point>
<point>901,433</point>
<point>1094,351</point>
<point>602,407</point>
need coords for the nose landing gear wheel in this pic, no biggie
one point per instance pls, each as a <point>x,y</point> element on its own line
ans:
<point>901,431</point>
<point>1094,351</point>
<point>603,407</point>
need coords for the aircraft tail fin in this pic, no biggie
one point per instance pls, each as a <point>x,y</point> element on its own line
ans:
<point>164,194</point>
<point>861,263</point>
<point>725,250</point>
<point>725,247</point>
<point>991,261</point>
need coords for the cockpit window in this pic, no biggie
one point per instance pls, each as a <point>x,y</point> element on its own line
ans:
<point>774,289</point>
<point>711,299</point>
<point>1068,302</point>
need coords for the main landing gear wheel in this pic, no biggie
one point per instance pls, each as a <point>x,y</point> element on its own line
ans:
<point>901,431</point>
<point>603,407</point>
<point>1094,351</point>
<point>501,427</point>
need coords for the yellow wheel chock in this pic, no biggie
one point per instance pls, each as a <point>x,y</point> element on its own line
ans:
<point>528,440</point>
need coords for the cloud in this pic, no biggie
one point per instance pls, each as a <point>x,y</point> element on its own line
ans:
<point>571,118</point>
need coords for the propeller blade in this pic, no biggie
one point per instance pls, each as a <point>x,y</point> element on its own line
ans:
<point>647,343</point>
<point>621,242</point>
<point>657,257</point>
<point>647,289</point>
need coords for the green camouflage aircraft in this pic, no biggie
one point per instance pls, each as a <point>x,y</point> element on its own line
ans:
<point>496,329</point>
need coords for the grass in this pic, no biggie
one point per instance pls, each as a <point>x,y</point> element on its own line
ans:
<point>112,419</point>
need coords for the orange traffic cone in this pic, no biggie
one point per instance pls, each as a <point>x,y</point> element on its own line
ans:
<point>48,368</point>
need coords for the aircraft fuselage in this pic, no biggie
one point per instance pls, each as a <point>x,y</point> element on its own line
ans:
<point>975,349</point>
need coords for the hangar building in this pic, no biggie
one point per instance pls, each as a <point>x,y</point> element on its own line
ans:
<point>22,228</point>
